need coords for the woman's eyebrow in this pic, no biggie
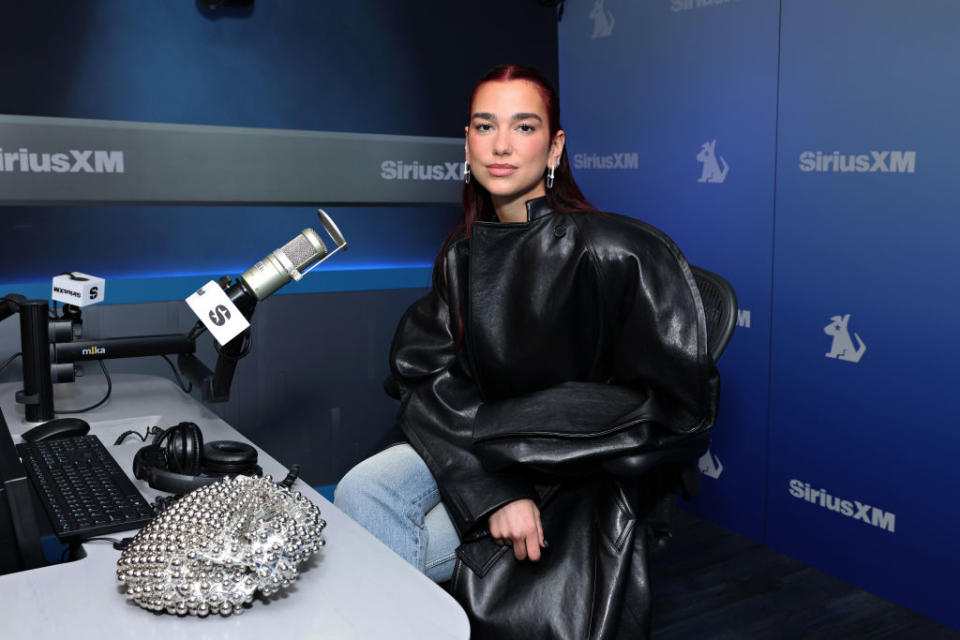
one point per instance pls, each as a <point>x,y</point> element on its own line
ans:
<point>483,115</point>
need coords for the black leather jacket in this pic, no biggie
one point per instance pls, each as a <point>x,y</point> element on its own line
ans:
<point>558,356</point>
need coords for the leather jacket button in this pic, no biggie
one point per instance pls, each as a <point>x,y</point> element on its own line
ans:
<point>560,231</point>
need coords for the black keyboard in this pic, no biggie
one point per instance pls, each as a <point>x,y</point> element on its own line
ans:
<point>82,488</point>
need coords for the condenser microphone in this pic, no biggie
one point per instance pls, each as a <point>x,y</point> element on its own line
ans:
<point>224,309</point>
<point>292,261</point>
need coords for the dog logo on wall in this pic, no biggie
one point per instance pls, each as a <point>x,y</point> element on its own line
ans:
<point>842,347</point>
<point>710,465</point>
<point>711,168</point>
<point>602,20</point>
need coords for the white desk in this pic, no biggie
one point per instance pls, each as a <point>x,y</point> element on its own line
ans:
<point>354,588</point>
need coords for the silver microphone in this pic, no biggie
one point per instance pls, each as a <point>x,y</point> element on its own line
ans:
<point>291,261</point>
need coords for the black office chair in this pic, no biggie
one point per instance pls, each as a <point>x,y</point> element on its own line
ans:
<point>720,307</point>
<point>683,477</point>
<point>678,473</point>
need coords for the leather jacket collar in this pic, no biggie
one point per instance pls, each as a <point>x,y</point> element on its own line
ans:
<point>537,208</point>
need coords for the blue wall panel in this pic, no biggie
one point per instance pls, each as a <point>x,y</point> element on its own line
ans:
<point>362,66</point>
<point>125,242</point>
<point>837,121</point>
<point>665,81</point>
<point>877,424</point>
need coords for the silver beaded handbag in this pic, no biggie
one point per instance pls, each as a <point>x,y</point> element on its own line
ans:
<point>216,547</point>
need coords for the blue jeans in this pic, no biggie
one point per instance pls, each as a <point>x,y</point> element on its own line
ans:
<point>393,496</point>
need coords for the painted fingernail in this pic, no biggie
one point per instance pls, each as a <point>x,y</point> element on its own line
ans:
<point>545,543</point>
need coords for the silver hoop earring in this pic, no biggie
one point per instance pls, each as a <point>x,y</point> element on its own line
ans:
<point>466,172</point>
<point>550,176</point>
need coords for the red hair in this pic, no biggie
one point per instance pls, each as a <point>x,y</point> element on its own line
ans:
<point>564,197</point>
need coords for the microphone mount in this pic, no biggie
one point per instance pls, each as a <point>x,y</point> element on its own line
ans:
<point>50,350</point>
<point>215,385</point>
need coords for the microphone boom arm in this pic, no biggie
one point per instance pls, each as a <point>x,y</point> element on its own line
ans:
<point>215,385</point>
<point>43,348</point>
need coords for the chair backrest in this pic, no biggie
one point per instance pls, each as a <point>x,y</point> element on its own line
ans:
<point>720,307</point>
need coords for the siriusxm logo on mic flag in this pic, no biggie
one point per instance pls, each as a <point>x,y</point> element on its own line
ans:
<point>78,289</point>
<point>217,313</point>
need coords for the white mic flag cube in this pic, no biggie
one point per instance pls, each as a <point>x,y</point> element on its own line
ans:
<point>78,289</point>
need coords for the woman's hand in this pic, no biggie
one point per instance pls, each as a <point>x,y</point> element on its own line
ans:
<point>517,523</point>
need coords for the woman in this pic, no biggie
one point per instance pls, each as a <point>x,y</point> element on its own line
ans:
<point>550,329</point>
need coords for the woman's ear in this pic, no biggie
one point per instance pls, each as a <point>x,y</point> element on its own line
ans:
<point>556,147</point>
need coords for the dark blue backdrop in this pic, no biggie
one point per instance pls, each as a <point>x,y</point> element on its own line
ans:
<point>858,78</point>
<point>661,85</point>
<point>850,466</point>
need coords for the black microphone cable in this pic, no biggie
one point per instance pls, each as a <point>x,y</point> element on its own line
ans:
<point>8,361</point>
<point>105,398</point>
<point>187,388</point>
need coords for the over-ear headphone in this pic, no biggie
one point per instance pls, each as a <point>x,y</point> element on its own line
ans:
<point>178,461</point>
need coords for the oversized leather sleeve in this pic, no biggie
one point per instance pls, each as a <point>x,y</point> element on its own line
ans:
<point>658,324</point>
<point>660,388</point>
<point>439,404</point>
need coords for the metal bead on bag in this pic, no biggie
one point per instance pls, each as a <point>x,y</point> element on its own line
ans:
<point>216,547</point>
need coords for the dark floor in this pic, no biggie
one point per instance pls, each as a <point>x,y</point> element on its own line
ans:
<point>711,584</point>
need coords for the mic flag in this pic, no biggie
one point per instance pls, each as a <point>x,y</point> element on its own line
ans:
<point>219,315</point>
<point>78,289</point>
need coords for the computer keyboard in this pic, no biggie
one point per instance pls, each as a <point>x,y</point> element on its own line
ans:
<point>82,488</point>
